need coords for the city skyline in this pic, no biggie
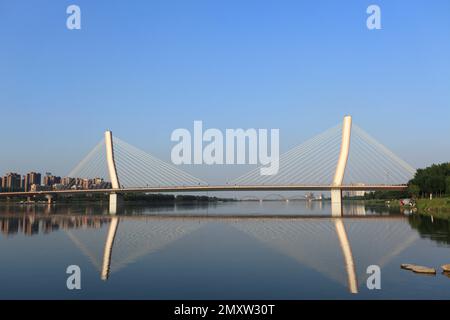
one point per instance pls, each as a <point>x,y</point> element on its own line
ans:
<point>32,181</point>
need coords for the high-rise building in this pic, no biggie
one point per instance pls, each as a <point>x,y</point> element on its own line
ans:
<point>11,182</point>
<point>50,180</point>
<point>68,182</point>
<point>86,184</point>
<point>30,179</point>
<point>3,183</point>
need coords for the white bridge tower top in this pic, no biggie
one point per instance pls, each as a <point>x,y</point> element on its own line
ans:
<point>112,170</point>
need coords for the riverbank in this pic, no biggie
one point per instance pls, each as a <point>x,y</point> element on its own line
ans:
<point>436,206</point>
<point>392,203</point>
<point>137,198</point>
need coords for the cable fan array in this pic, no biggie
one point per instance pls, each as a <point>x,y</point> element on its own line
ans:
<point>370,162</point>
<point>311,163</point>
<point>135,168</point>
<point>314,163</point>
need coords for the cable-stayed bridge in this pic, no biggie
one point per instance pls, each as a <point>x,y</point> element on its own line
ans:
<point>343,158</point>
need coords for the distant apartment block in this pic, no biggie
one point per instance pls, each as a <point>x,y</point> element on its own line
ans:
<point>11,182</point>
<point>30,179</point>
<point>50,180</point>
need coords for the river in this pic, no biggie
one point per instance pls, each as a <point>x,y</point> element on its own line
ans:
<point>225,250</point>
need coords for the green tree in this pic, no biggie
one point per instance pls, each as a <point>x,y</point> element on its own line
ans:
<point>447,185</point>
<point>433,179</point>
<point>414,190</point>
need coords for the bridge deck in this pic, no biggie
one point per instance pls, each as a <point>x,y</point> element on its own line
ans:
<point>205,188</point>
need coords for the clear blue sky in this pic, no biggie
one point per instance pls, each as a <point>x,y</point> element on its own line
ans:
<point>145,68</point>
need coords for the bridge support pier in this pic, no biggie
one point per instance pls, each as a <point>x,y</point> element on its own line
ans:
<point>115,202</point>
<point>336,202</point>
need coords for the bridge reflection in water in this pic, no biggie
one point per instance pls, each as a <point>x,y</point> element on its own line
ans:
<point>140,237</point>
<point>340,249</point>
<point>322,244</point>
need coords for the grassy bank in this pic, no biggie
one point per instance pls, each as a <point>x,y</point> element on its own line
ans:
<point>379,202</point>
<point>425,206</point>
<point>435,206</point>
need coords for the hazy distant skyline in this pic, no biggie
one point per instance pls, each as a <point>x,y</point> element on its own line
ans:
<point>144,69</point>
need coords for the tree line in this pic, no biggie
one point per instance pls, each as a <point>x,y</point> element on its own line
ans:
<point>431,180</point>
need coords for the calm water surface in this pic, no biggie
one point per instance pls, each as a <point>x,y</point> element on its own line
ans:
<point>233,250</point>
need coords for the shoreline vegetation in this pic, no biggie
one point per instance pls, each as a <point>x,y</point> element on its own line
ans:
<point>439,206</point>
<point>428,193</point>
<point>129,198</point>
<point>430,188</point>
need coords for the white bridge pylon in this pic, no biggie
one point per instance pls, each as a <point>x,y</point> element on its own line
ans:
<point>341,158</point>
<point>336,193</point>
<point>114,198</point>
